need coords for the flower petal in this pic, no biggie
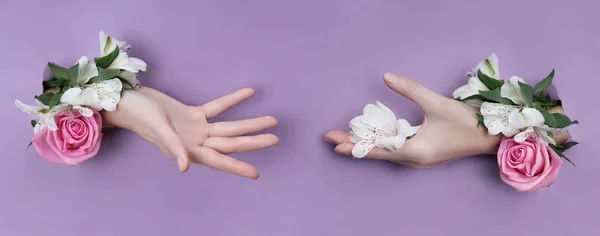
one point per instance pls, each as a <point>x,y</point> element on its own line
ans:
<point>489,67</point>
<point>495,124</point>
<point>72,96</point>
<point>405,129</point>
<point>129,77</point>
<point>108,44</point>
<point>109,101</point>
<point>464,91</point>
<point>108,86</point>
<point>528,117</point>
<point>362,148</point>
<point>84,111</point>
<point>512,90</point>
<point>544,137</point>
<point>86,70</point>
<point>495,109</point>
<point>360,128</point>
<point>391,143</point>
<point>380,116</point>
<point>127,63</point>
<point>89,97</point>
<point>31,110</point>
<point>522,136</point>
<point>39,126</point>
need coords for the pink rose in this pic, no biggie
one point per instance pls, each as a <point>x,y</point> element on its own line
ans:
<point>529,165</point>
<point>76,140</point>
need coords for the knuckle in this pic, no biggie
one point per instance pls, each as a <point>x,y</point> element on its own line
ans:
<point>196,113</point>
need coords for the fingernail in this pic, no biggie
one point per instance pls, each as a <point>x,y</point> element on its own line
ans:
<point>389,77</point>
<point>180,164</point>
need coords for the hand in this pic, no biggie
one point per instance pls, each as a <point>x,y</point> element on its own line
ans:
<point>182,132</point>
<point>449,130</point>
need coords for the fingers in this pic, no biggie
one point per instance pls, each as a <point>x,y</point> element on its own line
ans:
<point>412,90</point>
<point>228,145</point>
<point>213,159</point>
<point>375,154</point>
<point>338,137</point>
<point>345,146</point>
<point>220,105</point>
<point>242,127</point>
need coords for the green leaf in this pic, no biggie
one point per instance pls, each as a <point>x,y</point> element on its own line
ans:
<point>527,93</point>
<point>549,119</point>
<point>557,151</point>
<point>50,84</point>
<point>55,100</point>
<point>45,98</point>
<point>494,96</point>
<point>72,74</point>
<point>57,71</point>
<point>568,145</point>
<point>33,123</point>
<point>550,134</point>
<point>105,61</point>
<point>540,87</point>
<point>489,82</point>
<point>563,121</point>
<point>104,74</point>
<point>480,119</point>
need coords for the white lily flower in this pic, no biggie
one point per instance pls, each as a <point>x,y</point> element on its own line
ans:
<point>538,131</point>
<point>45,116</point>
<point>102,95</point>
<point>129,76</point>
<point>512,90</point>
<point>123,61</point>
<point>471,88</point>
<point>378,127</point>
<point>509,119</point>
<point>488,67</point>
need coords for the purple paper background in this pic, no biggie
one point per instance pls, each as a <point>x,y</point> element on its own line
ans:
<point>314,65</point>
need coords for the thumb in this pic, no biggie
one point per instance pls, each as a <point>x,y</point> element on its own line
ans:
<point>169,142</point>
<point>412,90</point>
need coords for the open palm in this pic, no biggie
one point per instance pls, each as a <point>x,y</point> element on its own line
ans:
<point>183,133</point>
<point>449,130</point>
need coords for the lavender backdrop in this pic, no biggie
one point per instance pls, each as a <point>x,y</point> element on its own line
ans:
<point>314,65</point>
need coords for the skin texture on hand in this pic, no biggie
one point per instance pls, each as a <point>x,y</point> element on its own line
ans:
<point>183,132</point>
<point>449,130</point>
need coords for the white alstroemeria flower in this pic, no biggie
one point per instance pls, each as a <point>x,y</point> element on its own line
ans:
<point>45,116</point>
<point>512,90</point>
<point>378,127</point>
<point>538,131</point>
<point>123,61</point>
<point>488,67</point>
<point>129,76</point>
<point>509,119</point>
<point>102,95</point>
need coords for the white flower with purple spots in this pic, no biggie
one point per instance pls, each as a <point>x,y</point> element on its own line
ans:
<point>101,95</point>
<point>378,127</point>
<point>123,61</point>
